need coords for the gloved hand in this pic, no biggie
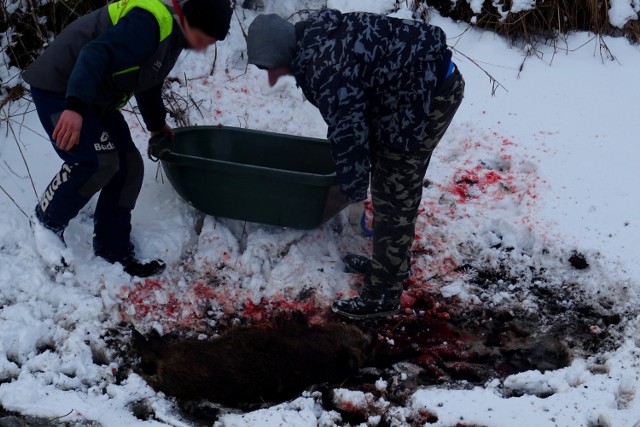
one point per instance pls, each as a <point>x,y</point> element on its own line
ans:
<point>166,130</point>
<point>153,142</point>
<point>357,219</point>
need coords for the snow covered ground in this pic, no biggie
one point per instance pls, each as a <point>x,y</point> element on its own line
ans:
<point>524,179</point>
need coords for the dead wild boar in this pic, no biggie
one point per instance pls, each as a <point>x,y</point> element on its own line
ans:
<point>252,364</point>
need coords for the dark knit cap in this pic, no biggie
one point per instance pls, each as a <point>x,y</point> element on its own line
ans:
<point>271,42</point>
<point>212,17</point>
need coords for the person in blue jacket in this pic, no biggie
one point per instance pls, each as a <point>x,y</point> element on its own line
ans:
<point>388,90</point>
<point>79,84</point>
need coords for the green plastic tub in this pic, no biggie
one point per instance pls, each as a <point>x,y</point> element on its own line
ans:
<point>254,176</point>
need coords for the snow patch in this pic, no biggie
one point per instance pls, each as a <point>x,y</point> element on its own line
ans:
<point>520,5</point>
<point>621,12</point>
<point>373,6</point>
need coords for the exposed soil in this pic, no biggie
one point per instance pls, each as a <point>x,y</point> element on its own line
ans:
<point>14,419</point>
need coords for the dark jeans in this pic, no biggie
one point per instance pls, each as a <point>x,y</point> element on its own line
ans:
<point>396,190</point>
<point>104,160</point>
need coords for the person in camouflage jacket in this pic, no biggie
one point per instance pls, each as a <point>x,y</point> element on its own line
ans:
<point>388,90</point>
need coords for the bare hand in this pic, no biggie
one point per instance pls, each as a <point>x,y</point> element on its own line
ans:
<point>67,131</point>
<point>166,130</point>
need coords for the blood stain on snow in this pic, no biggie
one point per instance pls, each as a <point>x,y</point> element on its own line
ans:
<point>188,308</point>
<point>159,300</point>
<point>448,339</point>
<point>266,310</point>
<point>451,341</point>
<point>479,183</point>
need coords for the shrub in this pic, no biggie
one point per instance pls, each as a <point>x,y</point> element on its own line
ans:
<point>536,20</point>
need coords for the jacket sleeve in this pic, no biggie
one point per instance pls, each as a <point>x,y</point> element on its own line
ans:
<point>130,42</point>
<point>152,108</point>
<point>343,104</point>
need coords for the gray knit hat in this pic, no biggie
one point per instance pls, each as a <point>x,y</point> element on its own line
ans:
<point>271,42</point>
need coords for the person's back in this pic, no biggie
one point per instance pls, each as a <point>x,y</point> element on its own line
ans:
<point>392,64</point>
<point>384,53</point>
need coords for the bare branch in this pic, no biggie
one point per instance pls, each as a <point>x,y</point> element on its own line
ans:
<point>215,59</point>
<point>495,84</point>
<point>244,33</point>
<point>13,200</point>
<point>24,160</point>
<point>14,94</point>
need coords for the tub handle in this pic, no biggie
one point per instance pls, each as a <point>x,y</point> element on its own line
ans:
<point>152,148</point>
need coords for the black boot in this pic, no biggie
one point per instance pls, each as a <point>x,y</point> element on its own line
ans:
<point>358,264</point>
<point>130,264</point>
<point>367,306</point>
<point>143,269</point>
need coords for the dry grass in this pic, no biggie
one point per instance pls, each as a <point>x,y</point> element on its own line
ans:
<point>549,19</point>
<point>632,31</point>
<point>36,24</point>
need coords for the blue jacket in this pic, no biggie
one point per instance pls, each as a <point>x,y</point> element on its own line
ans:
<point>82,61</point>
<point>113,50</point>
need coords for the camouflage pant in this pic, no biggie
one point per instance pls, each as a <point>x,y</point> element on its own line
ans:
<point>396,190</point>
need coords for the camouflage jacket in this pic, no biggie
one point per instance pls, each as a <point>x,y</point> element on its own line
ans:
<point>372,77</point>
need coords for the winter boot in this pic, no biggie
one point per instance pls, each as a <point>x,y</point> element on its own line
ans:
<point>143,269</point>
<point>366,306</point>
<point>130,264</point>
<point>50,244</point>
<point>358,264</point>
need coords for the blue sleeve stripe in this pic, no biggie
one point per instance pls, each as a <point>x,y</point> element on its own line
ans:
<point>452,68</point>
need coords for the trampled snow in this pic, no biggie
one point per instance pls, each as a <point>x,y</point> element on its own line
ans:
<point>547,166</point>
